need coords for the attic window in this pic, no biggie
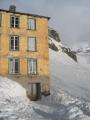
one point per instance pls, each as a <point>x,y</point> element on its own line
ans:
<point>14,23</point>
<point>31,23</point>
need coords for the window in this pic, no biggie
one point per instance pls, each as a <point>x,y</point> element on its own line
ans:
<point>14,22</point>
<point>0,20</point>
<point>32,66</point>
<point>32,44</point>
<point>14,66</point>
<point>31,24</point>
<point>14,43</point>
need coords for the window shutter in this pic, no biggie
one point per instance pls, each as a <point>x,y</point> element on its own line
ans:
<point>32,44</point>
<point>16,66</point>
<point>0,20</point>
<point>32,66</point>
<point>32,23</point>
<point>11,66</point>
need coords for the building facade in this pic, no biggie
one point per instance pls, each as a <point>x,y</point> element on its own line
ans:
<point>24,53</point>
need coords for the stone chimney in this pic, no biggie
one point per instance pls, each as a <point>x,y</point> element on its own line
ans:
<point>12,8</point>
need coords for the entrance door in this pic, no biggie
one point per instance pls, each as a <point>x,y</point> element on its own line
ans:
<point>34,91</point>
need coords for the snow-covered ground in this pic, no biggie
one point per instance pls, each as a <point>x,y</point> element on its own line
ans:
<point>72,78</point>
<point>69,99</point>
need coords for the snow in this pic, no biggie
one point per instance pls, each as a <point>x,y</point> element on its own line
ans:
<point>84,59</point>
<point>85,49</point>
<point>11,88</point>
<point>70,75</point>
<point>69,99</point>
<point>58,44</point>
<point>13,100</point>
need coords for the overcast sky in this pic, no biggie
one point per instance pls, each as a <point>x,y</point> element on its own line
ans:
<point>71,18</point>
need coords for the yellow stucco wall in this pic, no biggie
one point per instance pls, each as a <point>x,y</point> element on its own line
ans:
<point>41,34</point>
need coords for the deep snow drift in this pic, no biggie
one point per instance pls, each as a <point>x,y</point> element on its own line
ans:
<point>69,99</point>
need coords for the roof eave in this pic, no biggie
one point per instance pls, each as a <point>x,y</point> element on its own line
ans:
<point>28,14</point>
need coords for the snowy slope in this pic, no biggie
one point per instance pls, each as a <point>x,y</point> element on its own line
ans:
<point>84,59</point>
<point>71,76</point>
<point>83,55</point>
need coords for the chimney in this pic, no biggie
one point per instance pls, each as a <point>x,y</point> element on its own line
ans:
<point>12,8</point>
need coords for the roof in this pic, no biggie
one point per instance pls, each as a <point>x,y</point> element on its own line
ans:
<point>28,14</point>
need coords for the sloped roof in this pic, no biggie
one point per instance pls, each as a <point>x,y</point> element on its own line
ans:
<point>28,14</point>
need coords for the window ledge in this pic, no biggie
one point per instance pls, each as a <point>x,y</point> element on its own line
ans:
<point>14,74</point>
<point>31,51</point>
<point>15,27</point>
<point>14,50</point>
<point>32,75</point>
<point>31,29</point>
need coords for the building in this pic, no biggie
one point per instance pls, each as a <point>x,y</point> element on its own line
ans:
<point>24,53</point>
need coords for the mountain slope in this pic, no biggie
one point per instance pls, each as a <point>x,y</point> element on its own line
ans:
<point>85,49</point>
<point>55,44</point>
<point>71,76</point>
<point>83,56</point>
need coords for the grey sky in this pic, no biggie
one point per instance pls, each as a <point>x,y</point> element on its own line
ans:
<point>71,18</point>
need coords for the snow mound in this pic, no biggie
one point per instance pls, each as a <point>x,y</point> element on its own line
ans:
<point>11,88</point>
<point>14,105</point>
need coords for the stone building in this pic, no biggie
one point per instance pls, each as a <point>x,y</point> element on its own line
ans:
<point>24,51</point>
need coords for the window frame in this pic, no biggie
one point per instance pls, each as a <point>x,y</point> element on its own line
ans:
<point>1,20</point>
<point>14,21</point>
<point>35,46</point>
<point>9,70</point>
<point>28,60</point>
<point>10,48</point>
<point>29,26</point>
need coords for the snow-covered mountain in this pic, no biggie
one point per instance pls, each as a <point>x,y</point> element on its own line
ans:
<point>85,49</point>
<point>70,92</point>
<point>83,55</point>
<point>56,45</point>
